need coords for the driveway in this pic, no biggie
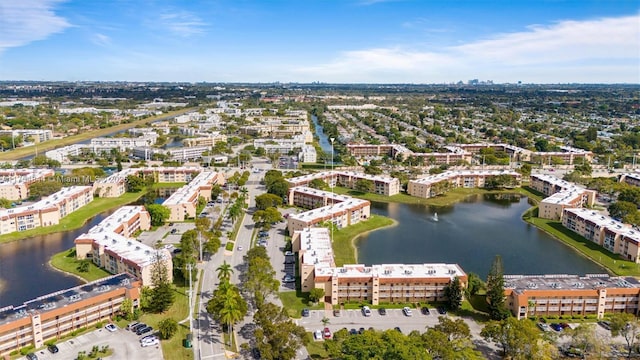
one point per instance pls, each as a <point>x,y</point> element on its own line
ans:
<point>125,344</point>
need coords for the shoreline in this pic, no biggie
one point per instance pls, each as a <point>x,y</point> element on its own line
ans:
<point>84,281</point>
<point>354,239</point>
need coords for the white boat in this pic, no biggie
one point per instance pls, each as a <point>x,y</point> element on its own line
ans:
<point>435,217</point>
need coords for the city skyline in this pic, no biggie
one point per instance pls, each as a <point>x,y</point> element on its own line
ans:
<point>351,41</point>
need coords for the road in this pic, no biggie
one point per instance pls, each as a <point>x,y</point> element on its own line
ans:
<point>209,336</point>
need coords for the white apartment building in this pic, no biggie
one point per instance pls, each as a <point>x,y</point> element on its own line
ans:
<point>384,185</point>
<point>426,187</point>
<point>38,135</point>
<point>183,202</point>
<point>561,194</point>
<point>14,184</point>
<point>46,212</point>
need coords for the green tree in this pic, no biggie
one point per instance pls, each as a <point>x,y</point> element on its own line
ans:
<point>126,309</point>
<point>365,186</point>
<point>626,325</point>
<point>585,338</point>
<point>161,295</point>
<point>519,340</point>
<point>495,290</point>
<point>167,328</point>
<point>622,210</point>
<point>265,201</point>
<point>317,184</point>
<point>158,213</point>
<point>630,194</point>
<point>5,203</point>
<point>224,271</point>
<point>135,183</point>
<point>279,187</point>
<point>227,305</point>
<point>453,292</point>
<point>40,189</point>
<point>260,278</point>
<point>316,294</point>
<point>277,336</point>
<point>474,284</point>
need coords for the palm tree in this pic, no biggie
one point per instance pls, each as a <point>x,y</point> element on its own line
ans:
<point>224,272</point>
<point>232,311</point>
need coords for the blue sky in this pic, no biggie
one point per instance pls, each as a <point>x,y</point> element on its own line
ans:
<point>364,41</point>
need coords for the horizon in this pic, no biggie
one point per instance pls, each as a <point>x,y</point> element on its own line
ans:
<point>327,42</point>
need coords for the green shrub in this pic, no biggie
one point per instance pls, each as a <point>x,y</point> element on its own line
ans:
<point>27,349</point>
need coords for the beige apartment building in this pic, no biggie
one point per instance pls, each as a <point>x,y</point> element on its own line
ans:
<point>383,185</point>
<point>46,212</point>
<point>183,202</point>
<point>561,195</point>
<point>210,140</point>
<point>426,187</point>
<point>53,316</point>
<point>341,210</point>
<point>617,237</point>
<point>14,184</point>
<point>378,284</point>
<point>116,184</point>
<point>110,245</point>
<point>455,154</point>
<point>546,295</point>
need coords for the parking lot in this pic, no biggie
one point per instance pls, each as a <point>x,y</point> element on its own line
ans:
<point>125,345</point>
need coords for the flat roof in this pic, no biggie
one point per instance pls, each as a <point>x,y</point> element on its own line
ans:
<point>521,283</point>
<point>185,193</point>
<point>563,197</point>
<point>447,175</point>
<point>53,200</point>
<point>605,221</point>
<point>122,215</point>
<point>60,299</point>
<point>317,192</point>
<point>127,248</point>
<point>329,210</point>
<point>391,271</point>
<point>315,246</point>
<point>336,173</point>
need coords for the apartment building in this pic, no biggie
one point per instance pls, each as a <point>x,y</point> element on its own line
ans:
<point>111,246</point>
<point>383,185</point>
<point>545,295</point>
<point>46,212</point>
<point>55,315</point>
<point>561,195</point>
<point>429,186</point>
<point>207,139</point>
<point>631,179</point>
<point>30,135</point>
<point>14,184</point>
<point>340,214</point>
<point>116,185</point>
<point>455,154</point>
<point>124,143</point>
<point>183,202</point>
<point>378,284</point>
<point>615,236</point>
<point>308,154</point>
<point>276,127</point>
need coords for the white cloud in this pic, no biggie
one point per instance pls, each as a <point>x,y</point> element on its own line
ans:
<point>182,23</point>
<point>25,21</point>
<point>594,49</point>
<point>101,39</point>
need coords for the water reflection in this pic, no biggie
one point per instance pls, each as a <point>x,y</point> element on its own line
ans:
<point>470,233</point>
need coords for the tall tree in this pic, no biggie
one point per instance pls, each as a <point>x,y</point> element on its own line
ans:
<point>224,271</point>
<point>453,292</point>
<point>626,325</point>
<point>519,340</point>
<point>277,336</point>
<point>495,290</point>
<point>161,295</point>
<point>158,213</point>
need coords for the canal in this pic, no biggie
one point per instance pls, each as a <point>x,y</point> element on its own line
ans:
<point>24,265</point>
<point>470,233</point>
<point>323,140</point>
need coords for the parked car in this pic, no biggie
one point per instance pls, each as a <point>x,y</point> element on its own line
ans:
<point>144,330</point>
<point>382,311</point>
<point>317,335</point>
<point>138,326</point>
<point>152,342</point>
<point>361,331</point>
<point>305,312</point>
<point>425,310</point>
<point>336,312</point>
<point>131,325</point>
<point>397,328</point>
<point>366,311</point>
<point>148,338</point>
<point>111,327</point>
<point>326,333</point>
<point>288,279</point>
<point>32,356</point>
<point>544,327</point>
<point>53,349</point>
<point>353,332</point>
<point>288,253</point>
<point>605,324</point>
<point>556,327</point>
<point>406,311</point>
<point>442,310</point>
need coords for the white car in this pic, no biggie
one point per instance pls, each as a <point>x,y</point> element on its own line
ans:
<point>407,311</point>
<point>317,335</point>
<point>111,327</point>
<point>366,311</point>
<point>151,342</point>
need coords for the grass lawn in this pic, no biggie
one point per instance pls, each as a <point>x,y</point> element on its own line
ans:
<point>77,218</point>
<point>171,185</point>
<point>68,140</point>
<point>343,248</point>
<point>295,301</point>
<point>66,261</point>
<point>451,197</point>
<point>316,349</point>
<point>593,251</point>
<point>172,349</point>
